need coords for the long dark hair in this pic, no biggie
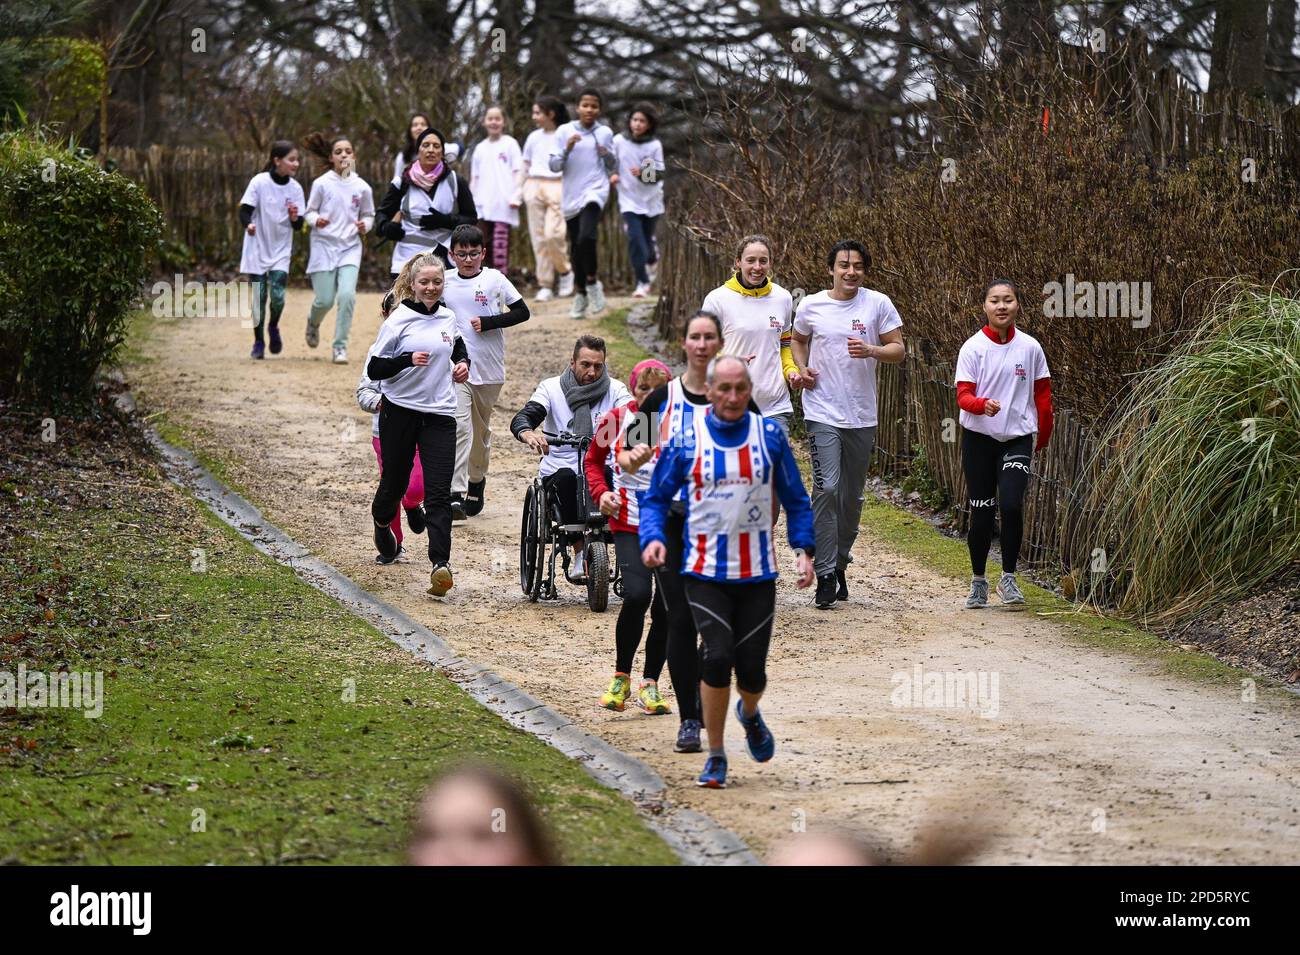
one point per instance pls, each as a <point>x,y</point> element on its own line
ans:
<point>652,119</point>
<point>408,151</point>
<point>279,149</point>
<point>555,106</point>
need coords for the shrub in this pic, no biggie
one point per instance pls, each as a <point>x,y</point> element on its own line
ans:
<point>1198,499</point>
<point>75,244</point>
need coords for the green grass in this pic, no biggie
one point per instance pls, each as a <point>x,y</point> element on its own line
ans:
<point>225,695</point>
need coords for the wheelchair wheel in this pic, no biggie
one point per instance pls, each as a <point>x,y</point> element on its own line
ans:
<point>598,576</point>
<point>531,551</point>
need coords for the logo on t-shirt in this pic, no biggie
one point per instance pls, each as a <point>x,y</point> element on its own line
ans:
<point>356,201</point>
<point>480,297</point>
<point>773,321</point>
<point>446,338</point>
<point>1020,371</point>
<point>859,327</point>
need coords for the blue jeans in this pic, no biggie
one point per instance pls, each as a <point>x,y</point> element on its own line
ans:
<point>641,248</point>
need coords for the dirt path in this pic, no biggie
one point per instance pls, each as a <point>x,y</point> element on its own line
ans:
<point>1091,757</point>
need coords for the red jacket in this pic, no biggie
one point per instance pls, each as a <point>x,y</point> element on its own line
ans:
<point>609,427</point>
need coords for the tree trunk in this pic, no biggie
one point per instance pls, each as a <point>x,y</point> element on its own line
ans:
<point>1240,42</point>
<point>1282,85</point>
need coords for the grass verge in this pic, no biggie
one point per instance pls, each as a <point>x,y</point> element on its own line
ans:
<point>247,718</point>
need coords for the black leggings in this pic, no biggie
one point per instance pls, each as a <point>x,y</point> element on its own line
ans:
<point>735,621</point>
<point>401,430</point>
<point>998,468</point>
<point>683,651</point>
<point>638,597</point>
<point>582,245</point>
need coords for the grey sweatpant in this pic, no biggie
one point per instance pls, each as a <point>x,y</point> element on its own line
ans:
<point>840,458</point>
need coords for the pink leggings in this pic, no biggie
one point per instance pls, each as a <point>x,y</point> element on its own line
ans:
<point>414,489</point>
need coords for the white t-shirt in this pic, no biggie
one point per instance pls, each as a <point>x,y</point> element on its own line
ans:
<point>753,325</point>
<point>1007,374</point>
<point>426,388</point>
<point>269,249</point>
<point>845,395</point>
<point>488,293</point>
<point>585,179</point>
<point>343,202</point>
<point>634,193</point>
<point>538,149</point>
<point>559,417</point>
<point>492,171</point>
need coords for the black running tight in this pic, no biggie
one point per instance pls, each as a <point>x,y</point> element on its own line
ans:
<point>997,473</point>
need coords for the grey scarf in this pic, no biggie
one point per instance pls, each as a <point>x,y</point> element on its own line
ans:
<point>582,398</point>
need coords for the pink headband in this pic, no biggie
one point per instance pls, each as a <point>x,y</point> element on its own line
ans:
<point>642,366</point>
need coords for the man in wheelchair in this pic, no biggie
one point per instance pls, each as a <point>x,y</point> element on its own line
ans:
<point>574,402</point>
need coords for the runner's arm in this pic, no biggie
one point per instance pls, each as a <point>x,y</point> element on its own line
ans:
<point>790,491</point>
<point>516,314</point>
<point>530,416</point>
<point>1043,401</point>
<point>798,351</point>
<point>459,353</point>
<point>669,476</point>
<point>967,401</point>
<point>788,365</point>
<point>381,369</point>
<point>389,206</point>
<point>246,214</point>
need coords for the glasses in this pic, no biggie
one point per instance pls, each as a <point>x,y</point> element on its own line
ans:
<point>467,255</point>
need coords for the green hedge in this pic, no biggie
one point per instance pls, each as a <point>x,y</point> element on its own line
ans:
<point>76,243</point>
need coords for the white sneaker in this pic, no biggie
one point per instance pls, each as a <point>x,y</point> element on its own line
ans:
<point>579,309</point>
<point>566,284</point>
<point>340,356</point>
<point>544,295</point>
<point>596,295</point>
<point>642,290</point>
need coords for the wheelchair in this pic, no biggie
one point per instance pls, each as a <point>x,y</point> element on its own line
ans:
<point>543,536</point>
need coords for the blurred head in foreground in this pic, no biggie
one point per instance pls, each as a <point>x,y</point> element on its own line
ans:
<point>475,815</point>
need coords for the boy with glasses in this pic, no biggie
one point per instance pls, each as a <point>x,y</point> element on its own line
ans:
<point>485,304</point>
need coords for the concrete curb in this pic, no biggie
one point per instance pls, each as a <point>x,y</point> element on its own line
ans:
<point>696,838</point>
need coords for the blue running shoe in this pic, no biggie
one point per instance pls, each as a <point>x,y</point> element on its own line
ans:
<point>715,773</point>
<point>276,342</point>
<point>757,736</point>
<point>688,737</point>
<point>259,348</point>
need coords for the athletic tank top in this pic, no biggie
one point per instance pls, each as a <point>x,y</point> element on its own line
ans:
<point>729,507</point>
<point>677,419</point>
<point>628,485</point>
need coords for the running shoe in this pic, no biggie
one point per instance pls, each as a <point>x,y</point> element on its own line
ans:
<point>458,512</point>
<point>386,543</point>
<point>715,773</point>
<point>277,344</point>
<point>642,290</point>
<point>620,688</point>
<point>566,284</point>
<point>313,334</point>
<point>979,594</point>
<point>688,737</point>
<point>544,295</point>
<point>825,591</point>
<point>1008,590</point>
<point>440,580</point>
<point>652,704</point>
<point>259,350</point>
<point>381,559</point>
<point>758,737</point>
<point>579,309</point>
<point>474,499</point>
<point>416,519</point>
<point>340,356</point>
<point>842,593</point>
<point>596,295</point>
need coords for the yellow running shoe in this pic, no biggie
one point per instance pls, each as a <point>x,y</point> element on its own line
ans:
<point>620,688</point>
<point>440,580</point>
<point>652,704</point>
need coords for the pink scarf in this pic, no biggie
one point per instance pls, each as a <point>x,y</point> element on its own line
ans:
<point>424,180</point>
